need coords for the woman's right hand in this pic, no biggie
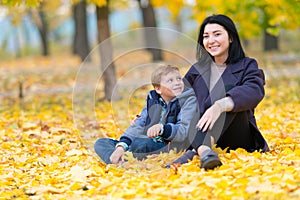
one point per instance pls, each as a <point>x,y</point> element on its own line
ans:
<point>209,118</point>
<point>116,156</point>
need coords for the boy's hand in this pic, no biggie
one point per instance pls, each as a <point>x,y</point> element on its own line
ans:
<point>154,130</point>
<point>116,156</point>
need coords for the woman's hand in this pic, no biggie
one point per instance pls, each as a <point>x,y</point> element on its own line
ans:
<point>116,156</point>
<point>210,117</point>
<point>154,130</point>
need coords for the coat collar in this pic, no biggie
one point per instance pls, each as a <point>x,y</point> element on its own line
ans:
<point>228,80</point>
<point>231,75</point>
<point>204,68</point>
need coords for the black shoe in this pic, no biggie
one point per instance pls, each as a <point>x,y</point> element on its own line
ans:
<point>188,155</point>
<point>210,160</point>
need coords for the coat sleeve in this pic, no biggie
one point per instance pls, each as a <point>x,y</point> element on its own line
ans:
<point>250,91</point>
<point>135,129</point>
<point>186,122</point>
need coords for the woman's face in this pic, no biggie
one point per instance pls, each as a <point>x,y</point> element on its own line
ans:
<point>216,42</point>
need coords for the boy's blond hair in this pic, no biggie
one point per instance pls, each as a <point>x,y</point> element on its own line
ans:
<point>161,71</point>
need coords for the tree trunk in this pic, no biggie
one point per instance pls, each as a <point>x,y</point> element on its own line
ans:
<point>80,43</point>
<point>245,42</point>
<point>39,19</point>
<point>107,64</point>
<point>43,30</point>
<point>270,42</point>
<point>151,37</point>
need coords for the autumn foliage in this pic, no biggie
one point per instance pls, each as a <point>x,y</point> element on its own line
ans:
<point>44,156</point>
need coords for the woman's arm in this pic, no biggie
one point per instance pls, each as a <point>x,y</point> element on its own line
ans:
<point>251,91</point>
<point>211,115</point>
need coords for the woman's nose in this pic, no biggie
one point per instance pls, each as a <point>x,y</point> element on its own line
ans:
<point>211,39</point>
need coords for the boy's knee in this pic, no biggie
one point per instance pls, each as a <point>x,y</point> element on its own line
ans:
<point>104,147</point>
<point>102,140</point>
<point>136,146</point>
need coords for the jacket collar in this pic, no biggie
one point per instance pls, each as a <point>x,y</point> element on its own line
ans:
<point>230,76</point>
<point>204,69</point>
<point>228,80</point>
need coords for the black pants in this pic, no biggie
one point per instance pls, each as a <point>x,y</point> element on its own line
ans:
<point>231,130</point>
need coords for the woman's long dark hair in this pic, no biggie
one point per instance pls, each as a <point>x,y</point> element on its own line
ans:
<point>235,52</point>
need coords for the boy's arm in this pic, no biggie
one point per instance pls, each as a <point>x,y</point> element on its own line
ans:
<point>134,130</point>
<point>186,122</point>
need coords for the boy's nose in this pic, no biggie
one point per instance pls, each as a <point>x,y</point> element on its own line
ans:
<point>177,82</point>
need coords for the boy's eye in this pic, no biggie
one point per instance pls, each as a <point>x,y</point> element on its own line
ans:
<point>170,81</point>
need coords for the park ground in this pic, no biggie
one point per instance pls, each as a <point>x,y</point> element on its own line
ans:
<point>46,155</point>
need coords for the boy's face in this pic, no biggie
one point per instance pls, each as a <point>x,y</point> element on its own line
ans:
<point>171,85</point>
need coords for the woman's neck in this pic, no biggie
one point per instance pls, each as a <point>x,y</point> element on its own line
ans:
<point>220,60</point>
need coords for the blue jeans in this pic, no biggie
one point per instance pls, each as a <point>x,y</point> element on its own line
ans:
<point>140,148</point>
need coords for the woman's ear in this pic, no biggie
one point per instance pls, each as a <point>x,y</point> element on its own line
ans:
<point>157,89</point>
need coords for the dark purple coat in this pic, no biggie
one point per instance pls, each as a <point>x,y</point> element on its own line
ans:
<point>242,81</point>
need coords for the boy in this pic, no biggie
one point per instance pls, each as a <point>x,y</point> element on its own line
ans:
<point>166,122</point>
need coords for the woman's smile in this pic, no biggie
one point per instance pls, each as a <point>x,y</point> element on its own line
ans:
<point>216,42</point>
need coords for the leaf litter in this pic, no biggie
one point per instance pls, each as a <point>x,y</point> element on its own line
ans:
<point>45,157</point>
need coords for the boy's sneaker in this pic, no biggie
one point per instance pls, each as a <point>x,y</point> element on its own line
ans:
<point>188,155</point>
<point>209,160</point>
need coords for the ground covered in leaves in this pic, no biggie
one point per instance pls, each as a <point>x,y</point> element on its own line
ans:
<point>44,156</point>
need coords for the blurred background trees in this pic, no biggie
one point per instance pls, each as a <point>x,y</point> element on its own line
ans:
<point>81,44</point>
<point>149,20</point>
<point>73,21</point>
<point>47,27</point>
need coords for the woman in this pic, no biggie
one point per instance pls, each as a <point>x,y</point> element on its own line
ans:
<point>228,86</point>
